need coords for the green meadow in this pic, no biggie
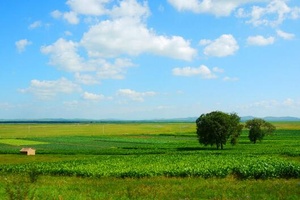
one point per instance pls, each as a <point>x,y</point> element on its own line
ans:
<point>145,161</point>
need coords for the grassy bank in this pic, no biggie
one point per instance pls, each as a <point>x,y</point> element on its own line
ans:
<point>70,188</point>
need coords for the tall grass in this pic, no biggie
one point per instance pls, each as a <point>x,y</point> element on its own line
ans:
<point>74,188</point>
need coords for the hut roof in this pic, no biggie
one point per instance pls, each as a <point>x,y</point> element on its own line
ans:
<point>27,149</point>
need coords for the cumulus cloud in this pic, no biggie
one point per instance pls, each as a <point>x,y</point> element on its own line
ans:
<point>64,54</point>
<point>225,45</point>
<point>134,95</point>
<point>130,8</point>
<point>273,14</point>
<point>285,35</point>
<point>124,32</point>
<point>126,8</point>
<point>215,7</point>
<point>130,36</point>
<point>93,97</point>
<point>218,70</point>
<point>274,107</point>
<point>205,42</point>
<point>22,44</point>
<point>88,7</point>
<point>115,70</point>
<point>71,17</point>
<point>289,102</point>
<point>56,14</point>
<point>227,78</point>
<point>260,40</point>
<point>46,90</point>
<point>265,12</point>
<point>86,79</point>
<point>202,71</point>
<point>35,24</point>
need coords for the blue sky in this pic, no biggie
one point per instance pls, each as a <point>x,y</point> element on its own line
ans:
<point>132,59</point>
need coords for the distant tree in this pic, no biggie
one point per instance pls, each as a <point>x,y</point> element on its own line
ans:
<point>217,127</point>
<point>258,128</point>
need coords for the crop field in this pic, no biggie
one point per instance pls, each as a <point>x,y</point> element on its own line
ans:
<point>145,161</point>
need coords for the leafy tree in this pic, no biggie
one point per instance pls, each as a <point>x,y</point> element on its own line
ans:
<point>217,127</point>
<point>258,128</point>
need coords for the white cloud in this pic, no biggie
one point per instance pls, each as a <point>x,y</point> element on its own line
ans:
<point>260,40</point>
<point>273,107</point>
<point>116,70</point>
<point>266,104</point>
<point>46,90</point>
<point>126,8</point>
<point>215,7</point>
<point>6,106</point>
<point>218,70</point>
<point>35,24</point>
<point>86,79</point>
<point>22,44</point>
<point>225,45</point>
<point>56,14</point>
<point>68,33</point>
<point>134,95</point>
<point>88,7</point>
<point>273,14</point>
<point>130,8</point>
<point>124,32</point>
<point>285,35</point>
<point>205,42</point>
<point>203,71</point>
<point>227,78</point>
<point>289,102</point>
<point>93,97</point>
<point>64,55</point>
<point>79,7</point>
<point>71,17</point>
<point>269,12</point>
<point>129,36</point>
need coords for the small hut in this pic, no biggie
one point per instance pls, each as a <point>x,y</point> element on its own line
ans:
<point>27,151</point>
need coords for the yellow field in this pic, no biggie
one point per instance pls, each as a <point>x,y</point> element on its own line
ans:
<point>50,130</point>
<point>20,142</point>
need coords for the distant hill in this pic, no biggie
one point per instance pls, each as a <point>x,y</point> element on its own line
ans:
<point>273,119</point>
<point>243,119</point>
<point>290,119</point>
<point>171,120</point>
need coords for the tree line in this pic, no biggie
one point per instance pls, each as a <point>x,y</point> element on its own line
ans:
<point>217,127</point>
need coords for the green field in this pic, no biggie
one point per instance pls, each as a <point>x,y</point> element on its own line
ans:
<point>145,161</point>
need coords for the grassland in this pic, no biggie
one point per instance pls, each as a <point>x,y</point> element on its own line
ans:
<point>146,161</point>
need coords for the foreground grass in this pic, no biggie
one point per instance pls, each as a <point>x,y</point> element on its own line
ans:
<point>75,188</point>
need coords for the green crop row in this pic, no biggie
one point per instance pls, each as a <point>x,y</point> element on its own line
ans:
<point>136,166</point>
<point>281,143</point>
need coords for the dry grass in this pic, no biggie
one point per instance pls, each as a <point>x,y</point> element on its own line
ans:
<point>20,142</point>
<point>51,130</point>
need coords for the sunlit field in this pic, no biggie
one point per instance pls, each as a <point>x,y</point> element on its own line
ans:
<point>145,161</point>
